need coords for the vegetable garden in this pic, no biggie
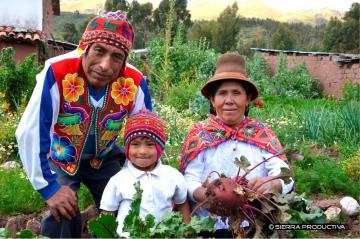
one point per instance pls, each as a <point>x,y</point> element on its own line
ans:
<point>322,135</point>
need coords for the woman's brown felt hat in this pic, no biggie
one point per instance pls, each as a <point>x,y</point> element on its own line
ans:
<point>230,66</point>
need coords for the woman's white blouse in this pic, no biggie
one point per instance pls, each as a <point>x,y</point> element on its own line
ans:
<point>221,159</point>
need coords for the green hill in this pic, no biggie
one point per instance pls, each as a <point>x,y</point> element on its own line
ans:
<point>71,17</point>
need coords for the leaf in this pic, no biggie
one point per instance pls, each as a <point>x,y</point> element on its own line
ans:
<point>133,223</point>
<point>25,234</point>
<point>316,215</point>
<point>104,227</point>
<point>242,163</point>
<point>202,224</point>
<point>4,233</point>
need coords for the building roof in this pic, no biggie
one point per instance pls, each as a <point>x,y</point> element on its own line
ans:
<point>339,57</point>
<point>66,45</point>
<point>28,35</point>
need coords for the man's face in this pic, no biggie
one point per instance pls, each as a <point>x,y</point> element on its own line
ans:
<point>102,63</point>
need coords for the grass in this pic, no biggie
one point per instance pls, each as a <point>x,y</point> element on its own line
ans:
<point>17,195</point>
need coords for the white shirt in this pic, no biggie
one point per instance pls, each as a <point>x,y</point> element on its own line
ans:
<point>221,159</point>
<point>161,187</point>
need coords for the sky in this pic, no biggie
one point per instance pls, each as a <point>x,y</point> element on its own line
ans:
<point>208,9</point>
<point>22,8</point>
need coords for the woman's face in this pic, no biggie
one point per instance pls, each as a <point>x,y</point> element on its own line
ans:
<point>230,102</point>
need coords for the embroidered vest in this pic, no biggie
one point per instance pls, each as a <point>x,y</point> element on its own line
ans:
<point>76,114</point>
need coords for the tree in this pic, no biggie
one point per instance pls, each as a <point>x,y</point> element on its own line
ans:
<point>202,29</point>
<point>114,5</point>
<point>183,15</point>
<point>343,36</point>
<point>70,33</point>
<point>283,38</point>
<point>140,16</point>
<point>227,29</point>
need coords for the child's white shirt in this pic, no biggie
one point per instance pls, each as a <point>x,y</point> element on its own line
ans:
<point>161,187</point>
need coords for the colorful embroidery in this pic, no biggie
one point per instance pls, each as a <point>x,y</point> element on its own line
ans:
<point>73,87</point>
<point>213,132</point>
<point>61,150</point>
<point>123,91</point>
<point>112,124</point>
<point>71,119</point>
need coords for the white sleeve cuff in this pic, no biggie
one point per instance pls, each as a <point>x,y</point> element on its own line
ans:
<point>192,186</point>
<point>286,188</point>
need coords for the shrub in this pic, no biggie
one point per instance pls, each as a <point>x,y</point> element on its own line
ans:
<point>17,81</point>
<point>352,167</point>
<point>178,125</point>
<point>186,62</point>
<point>8,144</point>
<point>294,82</point>
<point>199,106</point>
<point>351,92</point>
<point>323,177</point>
<point>179,96</point>
<point>257,70</point>
<point>287,82</point>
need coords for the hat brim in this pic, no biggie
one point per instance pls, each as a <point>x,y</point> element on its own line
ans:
<point>237,76</point>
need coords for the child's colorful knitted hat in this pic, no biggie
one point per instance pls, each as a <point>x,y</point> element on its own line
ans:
<point>145,123</point>
<point>110,28</point>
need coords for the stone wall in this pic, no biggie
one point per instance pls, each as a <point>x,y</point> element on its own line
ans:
<point>331,73</point>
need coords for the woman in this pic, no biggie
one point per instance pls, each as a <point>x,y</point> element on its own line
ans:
<point>213,145</point>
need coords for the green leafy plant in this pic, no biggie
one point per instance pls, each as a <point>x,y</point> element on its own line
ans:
<point>326,177</point>
<point>8,144</point>
<point>5,233</point>
<point>352,167</point>
<point>17,81</point>
<point>351,91</point>
<point>171,226</point>
<point>295,82</point>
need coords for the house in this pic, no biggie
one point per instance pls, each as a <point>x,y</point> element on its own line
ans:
<point>332,69</point>
<point>27,26</point>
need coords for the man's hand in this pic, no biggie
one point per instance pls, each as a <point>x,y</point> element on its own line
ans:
<point>63,202</point>
<point>261,186</point>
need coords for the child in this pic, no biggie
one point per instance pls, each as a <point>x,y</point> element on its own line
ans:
<point>161,184</point>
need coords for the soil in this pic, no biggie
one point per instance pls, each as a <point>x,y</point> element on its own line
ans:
<point>32,221</point>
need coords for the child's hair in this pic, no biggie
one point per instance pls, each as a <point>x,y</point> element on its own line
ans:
<point>145,123</point>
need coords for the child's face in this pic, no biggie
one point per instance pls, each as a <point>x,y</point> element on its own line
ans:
<point>143,153</point>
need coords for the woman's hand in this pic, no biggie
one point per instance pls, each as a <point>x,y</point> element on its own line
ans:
<point>262,185</point>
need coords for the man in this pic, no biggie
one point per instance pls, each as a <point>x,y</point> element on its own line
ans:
<point>68,131</point>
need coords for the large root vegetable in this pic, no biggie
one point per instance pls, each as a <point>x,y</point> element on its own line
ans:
<point>231,197</point>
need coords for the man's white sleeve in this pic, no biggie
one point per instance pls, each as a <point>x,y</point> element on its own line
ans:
<point>35,131</point>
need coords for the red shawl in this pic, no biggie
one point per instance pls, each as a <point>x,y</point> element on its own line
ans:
<point>213,132</point>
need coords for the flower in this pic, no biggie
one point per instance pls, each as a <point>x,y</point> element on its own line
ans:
<point>62,150</point>
<point>73,87</point>
<point>5,106</point>
<point>123,90</point>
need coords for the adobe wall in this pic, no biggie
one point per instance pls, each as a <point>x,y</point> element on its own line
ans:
<point>331,74</point>
<point>21,50</point>
<point>48,25</point>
